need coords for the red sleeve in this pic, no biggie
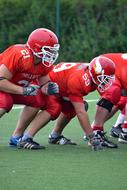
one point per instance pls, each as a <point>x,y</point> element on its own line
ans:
<point>11,59</point>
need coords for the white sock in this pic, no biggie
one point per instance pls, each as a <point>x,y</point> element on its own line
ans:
<point>120,119</point>
<point>55,134</point>
<point>26,136</point>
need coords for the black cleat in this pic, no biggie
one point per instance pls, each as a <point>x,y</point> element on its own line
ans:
<point>29,144</point>
<point>122,137</point>
<point>60,140</point>
<point>105,141</point>
<point>115,131</point>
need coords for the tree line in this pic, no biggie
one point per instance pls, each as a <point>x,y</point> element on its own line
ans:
<point>86,28</point>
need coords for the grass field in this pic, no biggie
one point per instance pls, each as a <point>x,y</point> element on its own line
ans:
<point>60,167</point>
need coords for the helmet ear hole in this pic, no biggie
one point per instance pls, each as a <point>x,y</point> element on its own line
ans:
<point>102,71</point>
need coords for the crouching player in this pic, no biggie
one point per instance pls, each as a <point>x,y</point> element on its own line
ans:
<point>113,97</point>
<point>75,80</point>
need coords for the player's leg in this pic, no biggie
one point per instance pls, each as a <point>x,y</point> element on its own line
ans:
<point>41,119</point>
<point>56,136</point>
<point>25,117</point>
<point>102,114</point>
<point>66,115</point>
<point>50,112</point>
<point>116,129</point>
<point>33,104</point>
<point>123,135</point>
<point>64,118</point>
<point>105,105</point>
<point>60,124</point>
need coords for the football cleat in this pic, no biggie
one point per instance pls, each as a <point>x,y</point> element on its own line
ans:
<point>122,137</point>
<point>60,140</point>
<point>105,142</point>
<point>29,144</point>
<point>115,131</point>
<point>14,140</point>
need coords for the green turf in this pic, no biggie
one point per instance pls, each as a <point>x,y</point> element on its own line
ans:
<point>60,167</point>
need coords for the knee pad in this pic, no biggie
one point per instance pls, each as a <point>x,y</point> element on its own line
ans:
<point>86,106</point>
<point>105,104</point>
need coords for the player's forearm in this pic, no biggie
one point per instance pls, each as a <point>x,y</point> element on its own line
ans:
<point>43,80</point>
<point>7,86</point>
<point>84,122</point>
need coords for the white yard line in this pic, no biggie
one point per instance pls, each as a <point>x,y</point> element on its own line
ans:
<point>17,107</point>
<point>93,100</point>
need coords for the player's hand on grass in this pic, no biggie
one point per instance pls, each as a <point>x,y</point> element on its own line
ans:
<point>95,141</point>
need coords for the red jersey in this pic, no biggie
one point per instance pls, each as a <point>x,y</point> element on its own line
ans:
<point>73,79</point>
<point>120,60</point>
<point>20,62</point>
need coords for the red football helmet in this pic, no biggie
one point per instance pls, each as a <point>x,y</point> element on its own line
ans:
<point>102,70</point>
<point>44,44</point>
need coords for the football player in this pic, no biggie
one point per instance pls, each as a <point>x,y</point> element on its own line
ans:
<point>75,80</point>
<point>22,67</point>
<point>113,96</point>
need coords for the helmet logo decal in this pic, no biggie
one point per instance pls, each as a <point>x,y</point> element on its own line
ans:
<point>97,67</point>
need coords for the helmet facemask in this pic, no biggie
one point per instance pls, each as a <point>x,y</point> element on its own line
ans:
<point>104,82</point>
<point>48,54</point>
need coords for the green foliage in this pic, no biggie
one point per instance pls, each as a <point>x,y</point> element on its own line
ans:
<point>97,27</point>
<point>86,28</point>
